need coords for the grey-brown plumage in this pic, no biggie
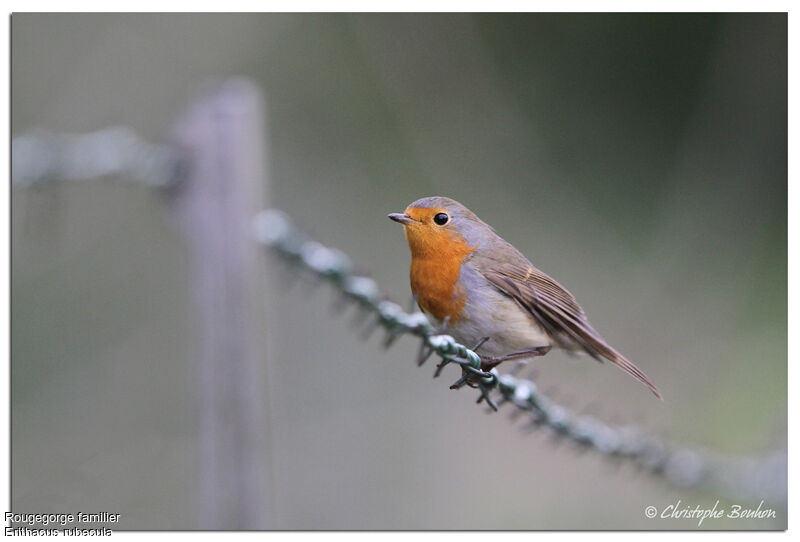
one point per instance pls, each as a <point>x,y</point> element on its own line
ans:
<point>556,310</point>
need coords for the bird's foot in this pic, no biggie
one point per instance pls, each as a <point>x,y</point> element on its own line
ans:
<point>468,378</point>
<point>490,362</point>
<point>480,343</point>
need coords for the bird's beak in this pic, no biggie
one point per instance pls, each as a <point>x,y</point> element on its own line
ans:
<point>402,218</point>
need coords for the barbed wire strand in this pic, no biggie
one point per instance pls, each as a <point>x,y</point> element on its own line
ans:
<point>752,479</point>
<point>43,157</point>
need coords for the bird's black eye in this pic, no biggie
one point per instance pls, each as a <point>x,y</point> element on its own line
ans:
<point>441,219</point>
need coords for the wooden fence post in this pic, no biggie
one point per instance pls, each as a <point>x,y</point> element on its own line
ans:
<point>223,137</point>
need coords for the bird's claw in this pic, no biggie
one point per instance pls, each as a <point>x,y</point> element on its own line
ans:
<point>490,362</point>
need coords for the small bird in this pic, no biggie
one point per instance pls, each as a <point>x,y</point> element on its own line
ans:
<point>488,295</point>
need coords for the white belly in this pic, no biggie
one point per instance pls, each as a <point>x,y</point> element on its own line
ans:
<point>489,313</point>
<point>508,327</point>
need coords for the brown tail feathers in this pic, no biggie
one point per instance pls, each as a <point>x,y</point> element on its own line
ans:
<point>620,361</point>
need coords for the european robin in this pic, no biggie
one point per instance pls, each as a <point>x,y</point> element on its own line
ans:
<point>483,291</point>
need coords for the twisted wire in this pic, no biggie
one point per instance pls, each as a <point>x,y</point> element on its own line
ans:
<point>41,157</point>
<point>683,467</point>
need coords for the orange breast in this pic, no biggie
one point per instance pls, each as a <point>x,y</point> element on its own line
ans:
<point>434,278</point>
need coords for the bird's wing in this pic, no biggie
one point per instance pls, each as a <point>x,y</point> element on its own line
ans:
<point>557,311</point>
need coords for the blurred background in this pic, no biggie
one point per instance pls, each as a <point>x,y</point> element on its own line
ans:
<point>641,160</point>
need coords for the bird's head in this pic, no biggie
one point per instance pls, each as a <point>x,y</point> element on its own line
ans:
<point>438,226</point>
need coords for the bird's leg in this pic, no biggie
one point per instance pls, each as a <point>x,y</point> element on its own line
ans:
<point>480,343</point>
<point>488,363</point>
<point>466,378</point>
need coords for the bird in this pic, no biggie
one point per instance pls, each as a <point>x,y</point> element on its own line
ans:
<point>483,291</point>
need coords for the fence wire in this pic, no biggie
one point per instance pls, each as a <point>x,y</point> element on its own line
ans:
<point>44,157</point>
